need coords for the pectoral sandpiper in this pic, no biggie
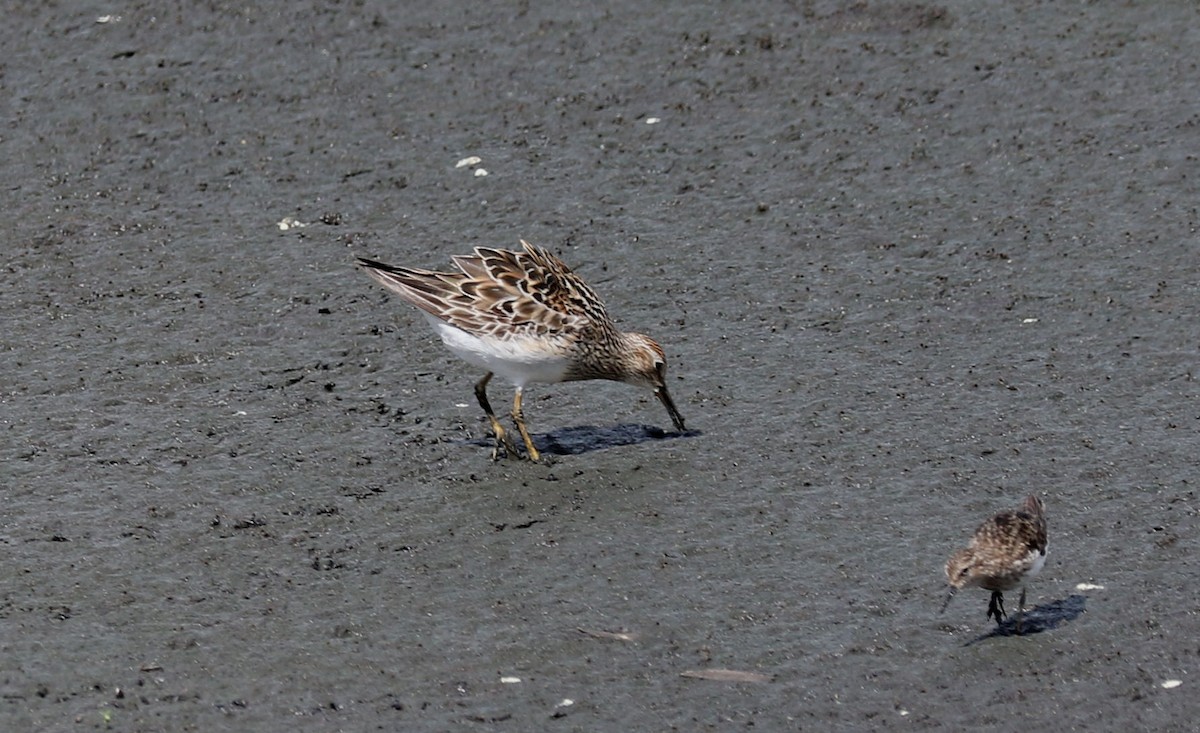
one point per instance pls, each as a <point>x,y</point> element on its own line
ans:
<point>528,318</point>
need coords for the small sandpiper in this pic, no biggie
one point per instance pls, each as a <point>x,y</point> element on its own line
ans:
<point>1006,550</point>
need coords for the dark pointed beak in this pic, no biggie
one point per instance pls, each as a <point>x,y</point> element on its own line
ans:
<point>948,597</point>
<point>665,398</point>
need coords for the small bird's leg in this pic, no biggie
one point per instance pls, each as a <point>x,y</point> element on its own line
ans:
<point>502,439</point>
<point>996,606</point>
<point>519,419</point>
<point>1020,611</point>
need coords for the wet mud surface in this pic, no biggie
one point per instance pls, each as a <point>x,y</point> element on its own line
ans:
<point>908,262</point>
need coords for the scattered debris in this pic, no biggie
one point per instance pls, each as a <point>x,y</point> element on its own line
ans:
<point>725,675</point>
<point>617,635</point>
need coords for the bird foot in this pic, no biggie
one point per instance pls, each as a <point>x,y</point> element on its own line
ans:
<point>505,446</point>
<point>996,607</point>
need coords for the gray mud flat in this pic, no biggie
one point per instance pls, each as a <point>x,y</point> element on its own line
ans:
<point>909,263</point>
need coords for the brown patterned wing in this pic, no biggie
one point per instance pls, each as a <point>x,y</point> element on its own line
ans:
<point>553,284</point>
<point>1012,534</point>
<point>474,300</point>
<point>544,290</point>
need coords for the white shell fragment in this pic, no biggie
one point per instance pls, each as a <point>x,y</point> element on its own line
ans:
<point>288,222</point>
<point>510,680</point>
<point>1089,586</point>
<point>472,160</point>
<point>480,172</point>
<point>653,120</point>
<point>1171,684</point>
<point>566,702</point>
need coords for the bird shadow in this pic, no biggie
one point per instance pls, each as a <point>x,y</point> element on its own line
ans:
<point>1040,618</point>
<point>587,438</point>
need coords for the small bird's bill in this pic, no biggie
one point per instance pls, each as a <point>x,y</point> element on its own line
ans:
<point>665,398</point>
<point>948,597</point>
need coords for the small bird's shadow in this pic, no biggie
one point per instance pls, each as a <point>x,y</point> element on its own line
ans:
<point>587,438</point>
<point>1041,618</point>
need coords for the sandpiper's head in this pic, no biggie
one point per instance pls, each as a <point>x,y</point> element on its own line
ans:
<point>960,569</point>
<point>646,366</point>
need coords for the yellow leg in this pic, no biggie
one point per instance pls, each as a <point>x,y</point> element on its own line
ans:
<point>502,439</point>
<point>519,419</point>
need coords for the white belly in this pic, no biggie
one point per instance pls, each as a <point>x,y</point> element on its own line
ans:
<point>1039,560</point>
<point>518,360</point>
